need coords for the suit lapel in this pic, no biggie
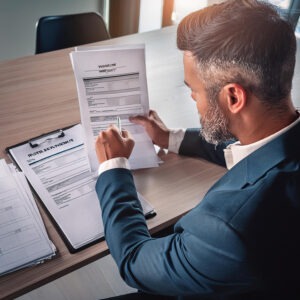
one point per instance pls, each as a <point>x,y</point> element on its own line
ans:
<point>254,166</point>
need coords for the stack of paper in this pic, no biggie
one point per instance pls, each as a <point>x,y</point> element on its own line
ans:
<point>57,167</point>
<point>23,237</point>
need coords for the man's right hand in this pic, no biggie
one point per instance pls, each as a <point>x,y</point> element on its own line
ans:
<point>156,129</point>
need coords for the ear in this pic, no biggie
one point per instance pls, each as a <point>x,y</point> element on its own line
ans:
<point>234,97</point>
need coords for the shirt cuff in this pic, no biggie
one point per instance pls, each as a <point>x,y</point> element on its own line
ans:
<point>114,163</point>
<point>175,138</point>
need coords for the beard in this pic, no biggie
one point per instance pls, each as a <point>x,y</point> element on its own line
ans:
<point>214,125</point>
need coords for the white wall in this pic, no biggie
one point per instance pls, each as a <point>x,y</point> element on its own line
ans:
<point>150,15</point>
<point>184,7</point>
<point>18,19</point>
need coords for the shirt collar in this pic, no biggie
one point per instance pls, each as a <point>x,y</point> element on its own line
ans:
<point>236,152</point>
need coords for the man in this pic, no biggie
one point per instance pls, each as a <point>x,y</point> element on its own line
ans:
<point>243,240</point>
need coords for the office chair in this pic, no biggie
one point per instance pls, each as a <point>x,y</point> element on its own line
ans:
<point>58,32</point>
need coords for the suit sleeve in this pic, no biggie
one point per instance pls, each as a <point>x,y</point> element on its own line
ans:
<point>202,259</point>
<point>194,145</point>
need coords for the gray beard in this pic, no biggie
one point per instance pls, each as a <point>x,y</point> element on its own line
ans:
<point>214,126</point>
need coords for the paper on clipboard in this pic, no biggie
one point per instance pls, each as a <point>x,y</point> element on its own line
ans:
<point>111,83</point>
<point>58,170</point>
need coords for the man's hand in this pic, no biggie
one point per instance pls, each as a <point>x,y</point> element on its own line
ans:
<point>111,144</point>
<point>155,128</point>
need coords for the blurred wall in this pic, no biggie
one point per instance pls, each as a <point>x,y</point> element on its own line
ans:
<point>18,19</point>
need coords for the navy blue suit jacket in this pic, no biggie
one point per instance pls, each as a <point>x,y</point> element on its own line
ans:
<point>242,241</point>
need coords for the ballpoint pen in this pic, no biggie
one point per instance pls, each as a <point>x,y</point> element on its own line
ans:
<point>119,125</point>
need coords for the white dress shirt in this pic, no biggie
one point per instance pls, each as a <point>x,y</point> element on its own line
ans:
<point>236,152</point>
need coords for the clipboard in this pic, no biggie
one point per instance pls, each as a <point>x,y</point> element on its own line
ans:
<point>34,143</point>
<point>57,193</point>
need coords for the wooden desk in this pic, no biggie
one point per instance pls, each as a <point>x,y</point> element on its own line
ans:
<point>38,94</point>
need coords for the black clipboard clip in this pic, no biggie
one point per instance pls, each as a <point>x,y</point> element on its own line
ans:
<point>150,214</point>
<point>45,138</point>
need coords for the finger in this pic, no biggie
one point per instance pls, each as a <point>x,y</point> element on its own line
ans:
<point>100,150</point>
<point>112,130</point>
<point>140,120</point>
<point>126,134</point>
<point>102,153</point>
<point>151,111</point>
<point>115,132</point>
<point>102,137</point>
<point>112,126</point>
<point>128,139</point>
<point>130,143</point>
<point>153,115</point>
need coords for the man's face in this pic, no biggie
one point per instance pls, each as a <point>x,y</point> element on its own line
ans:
<point>214,123</point>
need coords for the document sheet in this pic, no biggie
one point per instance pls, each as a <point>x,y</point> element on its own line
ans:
<point>111,84</point>
<point>23,237</point>
<point>58,169</point>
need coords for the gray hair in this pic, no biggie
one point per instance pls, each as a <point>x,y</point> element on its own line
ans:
<point>244,42</point>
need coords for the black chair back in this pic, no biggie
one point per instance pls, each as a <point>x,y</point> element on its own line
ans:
<point>64,31</point>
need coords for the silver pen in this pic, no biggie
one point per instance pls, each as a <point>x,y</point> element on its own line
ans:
<point>119,125</point>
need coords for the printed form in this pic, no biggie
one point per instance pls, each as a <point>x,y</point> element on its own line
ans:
<point>23,237</point>
<point>111,84</point>
<point>58,169</point>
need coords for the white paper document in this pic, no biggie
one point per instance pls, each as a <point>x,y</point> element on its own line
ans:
<point>58,169</point>
<point>23,237</point>
<point>111,83</point>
